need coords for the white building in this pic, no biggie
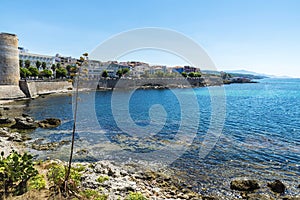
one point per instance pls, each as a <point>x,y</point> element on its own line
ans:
<point>24,55</point>
<point>95,68</point>
<point>140,70</point>
<point>158,68</point>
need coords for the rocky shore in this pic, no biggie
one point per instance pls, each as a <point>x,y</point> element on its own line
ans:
<point>117,181</point>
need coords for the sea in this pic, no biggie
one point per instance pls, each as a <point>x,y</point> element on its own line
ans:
<point>208,135</point>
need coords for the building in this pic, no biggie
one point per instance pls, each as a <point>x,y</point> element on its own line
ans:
<point>158,68</point>
<point>25,55</point>
<point>189,69</point>
<point>64,61</point>
<point>114,67</point>
<point>140,70</point>
<point>178,69</point>
<point>96,68</point>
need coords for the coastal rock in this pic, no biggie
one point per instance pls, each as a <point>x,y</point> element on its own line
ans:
<point>4,132</point>
<point>25,123</point>
<point>258,197</point>
<point>82,152</point>
<point>291,198</point>
<point>25,115</point>
<point>123,185</point>
<point>244,185</point>
<point>208,198</point>
<point>277,186</point>
<point>48,146</point>
<point>6,120</point>
<point>49,123</point>
<point>16,137</point>
<point>88,180</point>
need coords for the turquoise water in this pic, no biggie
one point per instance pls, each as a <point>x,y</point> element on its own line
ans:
<point>260,137</point>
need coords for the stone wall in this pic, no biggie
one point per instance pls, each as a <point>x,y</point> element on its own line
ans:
<point>34,88</point>
<point>10,92</point>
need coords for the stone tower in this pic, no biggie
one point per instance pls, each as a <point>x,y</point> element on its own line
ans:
<point>9,59</point>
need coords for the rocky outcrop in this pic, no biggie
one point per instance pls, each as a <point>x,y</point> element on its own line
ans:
<point>118,181</point>
<point>244,185</point>
<point>277,186</point>
<point>25,123</point>
<point>49,123</point>
<point>12,136</point>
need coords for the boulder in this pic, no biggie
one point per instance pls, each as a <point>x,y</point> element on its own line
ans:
<point>49,123</point>
<point>25,123</point>
<point>277,186</point>
<point>244,185</point>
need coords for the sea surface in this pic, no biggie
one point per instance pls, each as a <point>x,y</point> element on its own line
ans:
<point>208,135</point>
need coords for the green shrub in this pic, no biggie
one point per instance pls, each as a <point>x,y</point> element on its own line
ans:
<point>15,171</point>
<point>93,195</point>
<point>56,175</point>
<point>38,182</point>
<point>102,179</point>
<point>135,196</point>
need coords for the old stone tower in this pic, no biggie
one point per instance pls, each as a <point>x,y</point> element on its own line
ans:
<point>9,59</point>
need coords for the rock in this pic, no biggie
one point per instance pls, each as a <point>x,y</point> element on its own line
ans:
<point>25,115</point>
<point>208,198</point>
<point>25,123</point>
<point>244,185</point>
<point>49,123</point>
<point>82,152</point>
<point>16,137</point>
<point>4,132</point>
<point>6,120</point>
<point>48,146</point>
<point>290,198</point>
<point>89,181</point>
<point>123,185</point>
<point>299,186</point>
<point>254,196</point>
<point>277,186</point>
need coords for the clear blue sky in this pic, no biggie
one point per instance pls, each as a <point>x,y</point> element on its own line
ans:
<point>257,35</point>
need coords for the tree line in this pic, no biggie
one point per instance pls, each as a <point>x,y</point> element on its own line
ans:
<point>55,71</point>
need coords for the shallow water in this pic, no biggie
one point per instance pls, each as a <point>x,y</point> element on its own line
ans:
<point>260,137</point>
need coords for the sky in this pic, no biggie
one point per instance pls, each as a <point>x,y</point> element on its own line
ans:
<point>255,35</point>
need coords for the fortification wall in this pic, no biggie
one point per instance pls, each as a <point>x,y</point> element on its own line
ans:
<point>9,59</point>
<point>10,92</point>
<point>33,89</point>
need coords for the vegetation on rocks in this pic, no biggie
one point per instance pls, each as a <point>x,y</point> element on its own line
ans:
<point>135,196</point>
<point>15,171</point>
<point>37,182</point>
